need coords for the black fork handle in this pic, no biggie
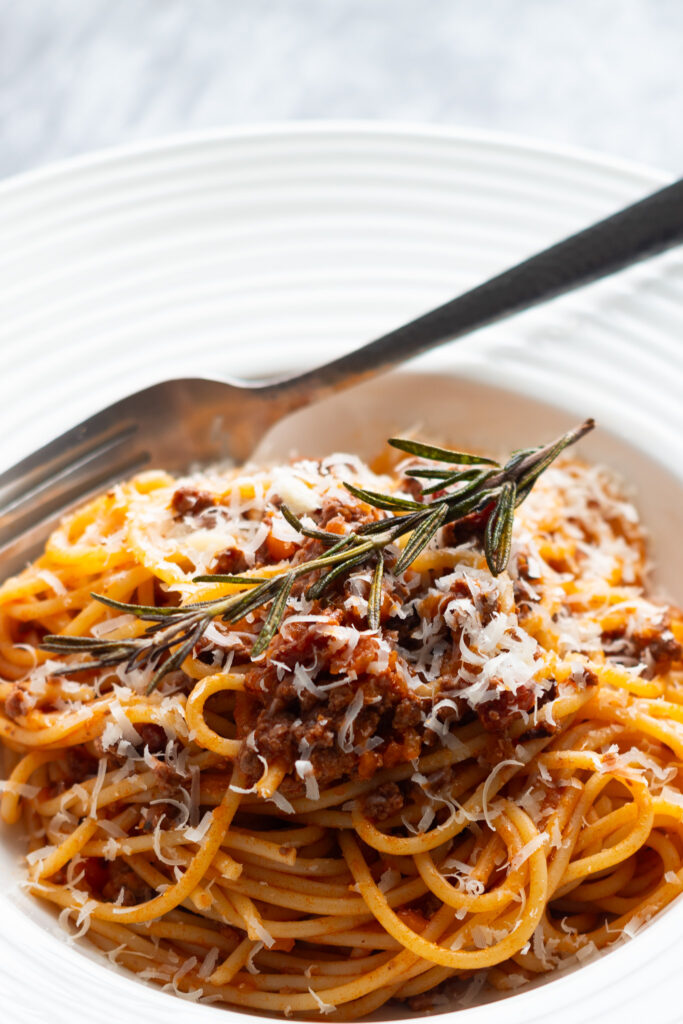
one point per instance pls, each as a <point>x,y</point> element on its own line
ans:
<point>644,229</point>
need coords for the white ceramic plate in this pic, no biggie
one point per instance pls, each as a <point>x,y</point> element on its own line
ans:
<point>277,248</point>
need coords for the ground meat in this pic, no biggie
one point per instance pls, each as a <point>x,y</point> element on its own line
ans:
<point>407,714</point>
<point>332,764</point>
<point>460,711</point>
<point>213,652</point>
<point>165,777</point>
<point>80,764</point>
<point>274,737</point>
<point>121,877</point>
<point>152,815</point>
<point>486,604</point>
<point>525,598</point>
<point>249,764</point>
<point>229,562</point>
<point>285,722</point>
<point>204,652</point>
<point>663,649</point>
<point>428,905</point>
<point>411,485</point>
<point>18,703</point>
<point>336,513</point>
<point>286,718</point>
<point>153,737</point>
<point>657,647</point>
<point>189,501</point>
<point>521,565</point>
<point>496,715</point>
<point>365,725</point>
<point>469,528</point>
<point>404,627</point>
<point>384,802</point>
<point>584,677</point>
<point>316,732</point>
<point>95,874</point>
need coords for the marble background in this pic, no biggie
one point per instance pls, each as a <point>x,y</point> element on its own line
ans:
<point>77,75</point>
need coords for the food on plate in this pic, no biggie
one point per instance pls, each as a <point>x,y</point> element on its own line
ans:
<point>312,738</point>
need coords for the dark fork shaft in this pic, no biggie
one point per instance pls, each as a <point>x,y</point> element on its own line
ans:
<point>644,229</point>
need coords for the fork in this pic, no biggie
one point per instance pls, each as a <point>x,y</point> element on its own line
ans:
<point>179,422</point>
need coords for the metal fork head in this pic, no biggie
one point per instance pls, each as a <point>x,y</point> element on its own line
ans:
<point>172,425</point>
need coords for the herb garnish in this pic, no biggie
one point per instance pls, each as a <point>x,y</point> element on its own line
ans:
<point>484,490</point>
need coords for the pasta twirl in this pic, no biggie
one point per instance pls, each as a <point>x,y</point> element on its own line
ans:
<point>480,790</point>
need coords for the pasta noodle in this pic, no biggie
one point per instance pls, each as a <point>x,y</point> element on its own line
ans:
<point>483,789</point>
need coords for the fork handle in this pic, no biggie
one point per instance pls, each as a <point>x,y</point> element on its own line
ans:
<point>644,229</point>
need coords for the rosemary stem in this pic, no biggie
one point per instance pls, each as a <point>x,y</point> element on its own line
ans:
<point>491,490</point>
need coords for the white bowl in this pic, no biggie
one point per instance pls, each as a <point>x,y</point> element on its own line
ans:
<point>250,251</point>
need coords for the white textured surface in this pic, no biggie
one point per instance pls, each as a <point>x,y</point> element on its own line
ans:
<point>77,75</point>
<point>237,253</point>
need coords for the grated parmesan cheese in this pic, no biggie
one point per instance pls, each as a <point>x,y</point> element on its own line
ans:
<point>322,1006</point>
<point>345,733</point>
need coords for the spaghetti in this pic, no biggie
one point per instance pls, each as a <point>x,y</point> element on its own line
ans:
<point>484,788</point>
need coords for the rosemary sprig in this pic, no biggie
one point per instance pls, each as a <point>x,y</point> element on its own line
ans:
<point>484,489</point>
<point>375,596</point>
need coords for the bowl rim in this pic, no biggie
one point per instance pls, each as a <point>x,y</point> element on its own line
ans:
<point>177,141</point>
<point>531,1005</point>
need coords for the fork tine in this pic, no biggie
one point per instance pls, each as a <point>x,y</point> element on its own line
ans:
<point>82,442</point>
<point>23,531</point>
<point>173,423</point>
<point>102,467</point>
<point>86,458</point>
<point>38,474</point>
